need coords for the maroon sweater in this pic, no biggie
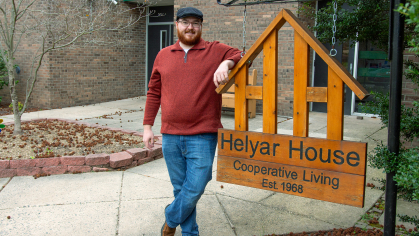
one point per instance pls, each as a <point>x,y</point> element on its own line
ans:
<point>183,85</point>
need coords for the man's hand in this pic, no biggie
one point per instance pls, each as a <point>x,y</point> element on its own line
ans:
<point>221,74</point>
<point>148,136</point>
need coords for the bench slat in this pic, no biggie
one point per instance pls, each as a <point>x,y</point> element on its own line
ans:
<point>252,92</point>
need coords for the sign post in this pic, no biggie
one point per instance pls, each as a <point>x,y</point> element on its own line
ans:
<point>396,75</point>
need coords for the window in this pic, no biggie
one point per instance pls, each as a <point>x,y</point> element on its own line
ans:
<point>163,39</point>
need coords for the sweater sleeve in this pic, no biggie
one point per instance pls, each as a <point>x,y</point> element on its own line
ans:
<point>153,101</point>
<point>233,54</point>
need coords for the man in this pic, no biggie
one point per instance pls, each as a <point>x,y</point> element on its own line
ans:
<point>183,81</point>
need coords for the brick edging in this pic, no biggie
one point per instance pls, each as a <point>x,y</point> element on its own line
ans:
<point>79,164</point>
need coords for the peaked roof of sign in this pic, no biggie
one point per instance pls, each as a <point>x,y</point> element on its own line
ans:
<point>287,16</point>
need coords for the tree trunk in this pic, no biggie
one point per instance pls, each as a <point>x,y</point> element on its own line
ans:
<point>13,94</point>
<point>16,118</point>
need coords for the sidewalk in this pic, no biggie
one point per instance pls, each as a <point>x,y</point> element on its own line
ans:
<point>131,202</point>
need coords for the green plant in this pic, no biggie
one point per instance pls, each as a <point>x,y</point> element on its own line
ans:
<point>20,105</point>
<point>414,220</point>
<point>411,11</point>
<point>366,217</point>
<point>407,175</point>
<point>406,163</point>
<point>4,80</point>
<point>409,120</point>
<point>412,70</point>
<point>3,74</point>
<point>406,166</point>
<point>353,23</point>
<point>1,125</point>
<point>381,186</point>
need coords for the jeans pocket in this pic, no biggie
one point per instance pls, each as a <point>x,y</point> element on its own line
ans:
<point>209,136</point>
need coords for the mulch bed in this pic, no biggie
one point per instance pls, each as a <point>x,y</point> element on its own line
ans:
<point>53,138</point>
<point>337,232</point>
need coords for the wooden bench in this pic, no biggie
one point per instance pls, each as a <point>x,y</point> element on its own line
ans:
<point>228,97</point>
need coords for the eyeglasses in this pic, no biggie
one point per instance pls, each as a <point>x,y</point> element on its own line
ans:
<point>195,24</point>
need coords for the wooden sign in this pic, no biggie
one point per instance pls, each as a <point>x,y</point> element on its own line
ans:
<point>342,156</point>
<point>325,169</point>
<point>308,167</point>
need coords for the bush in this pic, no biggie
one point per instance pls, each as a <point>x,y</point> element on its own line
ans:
<point>19,104</point>
<point>406,163</point>
<point>411,11</point>
<point>4,80</point>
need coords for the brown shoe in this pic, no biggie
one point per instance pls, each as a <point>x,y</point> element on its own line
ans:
<point>167,231</point>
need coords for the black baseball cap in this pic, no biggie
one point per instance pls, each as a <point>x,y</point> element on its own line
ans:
<point>189,11</point>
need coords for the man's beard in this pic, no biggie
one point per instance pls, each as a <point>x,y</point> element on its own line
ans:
<point>186,40</point>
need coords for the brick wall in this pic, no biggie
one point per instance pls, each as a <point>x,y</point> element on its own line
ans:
<point>85,74</point>
<point>410,93</point>
<point>409,89</point>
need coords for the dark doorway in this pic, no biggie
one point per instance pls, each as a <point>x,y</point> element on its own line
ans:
<point>345,55</point>
<point>160,33</point>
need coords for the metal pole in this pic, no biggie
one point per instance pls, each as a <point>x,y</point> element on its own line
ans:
<point>396,48</point>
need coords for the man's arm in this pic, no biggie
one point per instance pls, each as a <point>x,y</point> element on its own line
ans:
<point>221,74</point>
<point>151,109</point>
<point>152,105</point>
<point>148,136</point>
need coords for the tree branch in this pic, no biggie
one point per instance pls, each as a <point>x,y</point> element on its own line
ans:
<point>3,33</point>
<point>19,40</point>
<point>21,13</point>
<point>2,10</point>
<point>4,30</point>
<point>34,75</point>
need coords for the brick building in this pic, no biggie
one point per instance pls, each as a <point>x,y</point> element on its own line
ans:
<point>91,74</point>
<point>225,24</point>
<point>84,73</point>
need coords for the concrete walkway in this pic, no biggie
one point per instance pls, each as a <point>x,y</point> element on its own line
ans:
<point>132,202</point>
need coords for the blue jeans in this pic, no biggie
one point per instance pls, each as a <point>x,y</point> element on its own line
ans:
<point>189,161</point>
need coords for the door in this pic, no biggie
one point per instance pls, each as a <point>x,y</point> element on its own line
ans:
<point>159,37</point>
<point>373,73</point>
<point>160,28</point>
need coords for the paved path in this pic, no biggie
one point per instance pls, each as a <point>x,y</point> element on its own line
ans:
<point>132,202</point>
